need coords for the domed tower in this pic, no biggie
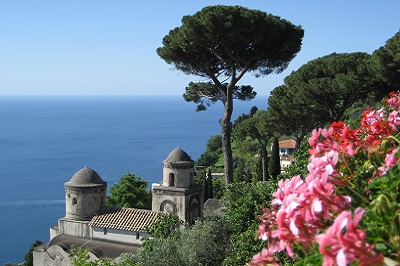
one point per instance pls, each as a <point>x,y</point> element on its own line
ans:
<point>178,169</point>
<point>178,194</point>
<point>85,195</point>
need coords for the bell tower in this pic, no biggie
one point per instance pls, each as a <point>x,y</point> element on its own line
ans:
<point>177,193</point>
<point>85,194</point>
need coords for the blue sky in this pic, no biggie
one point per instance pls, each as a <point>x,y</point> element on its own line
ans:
<point>102,47</point>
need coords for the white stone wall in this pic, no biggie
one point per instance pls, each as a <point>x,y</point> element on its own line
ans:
<point>184,178</point>
<point>82,203</point>
<point>74,228</point>
<point>164,197</point>
<point>118,235</point>
<point>54,231</point>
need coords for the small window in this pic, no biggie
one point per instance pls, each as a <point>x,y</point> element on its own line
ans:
<point>105,231</point>
<point>171,180</point>
<point>137,235</point>
<point>74,201</point>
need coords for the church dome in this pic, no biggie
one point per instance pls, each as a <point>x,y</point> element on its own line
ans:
<point>178,155</point>
<point>86,177</point>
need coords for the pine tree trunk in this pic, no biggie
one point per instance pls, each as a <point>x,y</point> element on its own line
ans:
<point>226,129</point>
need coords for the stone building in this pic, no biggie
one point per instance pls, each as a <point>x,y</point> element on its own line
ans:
<point>177,193</point>
<point>107,231</point>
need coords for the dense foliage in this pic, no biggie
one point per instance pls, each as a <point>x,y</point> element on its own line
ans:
<point>207,242</point>
<point>243,201</point>
<point>131,191</point>
<point>213,152</point>
<point>256,127</point>
<point>205,94</point>
<point>321,91</point>
<point>289,118</point>
<point>347,208</point>
<point>166,226</point>
<point>387,63</point>
<point>329,85</point>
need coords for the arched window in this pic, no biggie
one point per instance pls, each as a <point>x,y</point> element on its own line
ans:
<point>74,201</point>
<point>171,180</point>
<point>168,206</point>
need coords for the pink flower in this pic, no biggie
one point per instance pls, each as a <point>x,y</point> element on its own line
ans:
<point>390,161</point>
<point>265,257</point>
<point>321,145</point>
<point>304,206</point>
<point>268,223</point>
<point>394,119</point>
<point>394,100</point>
<point>344,243</point>
<point>286,188</point>
<point>323,166</point>
<point>374,116</point>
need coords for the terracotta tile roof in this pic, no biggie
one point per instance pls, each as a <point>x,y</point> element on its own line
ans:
<point>289,144</point>
<point>127,219</point>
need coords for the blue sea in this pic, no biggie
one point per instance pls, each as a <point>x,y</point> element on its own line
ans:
<point>45,140</point>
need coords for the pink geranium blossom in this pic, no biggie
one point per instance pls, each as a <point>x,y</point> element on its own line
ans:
<point>372,116</point>
<point>394,100</point>
<point>304,205</point>
<point>344,243</point>
<point>394,119</point>
<point>265,257</point>
<point>390,161</point>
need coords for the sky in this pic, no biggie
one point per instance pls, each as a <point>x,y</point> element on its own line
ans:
<point>104,47</point>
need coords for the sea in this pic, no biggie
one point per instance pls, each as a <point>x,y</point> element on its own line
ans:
<point>45,140</point>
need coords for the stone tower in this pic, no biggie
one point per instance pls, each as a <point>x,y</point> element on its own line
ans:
<point>85,195</point>
<point>177,193</point>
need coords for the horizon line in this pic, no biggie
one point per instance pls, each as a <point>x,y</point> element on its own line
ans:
<point>102,95</point>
